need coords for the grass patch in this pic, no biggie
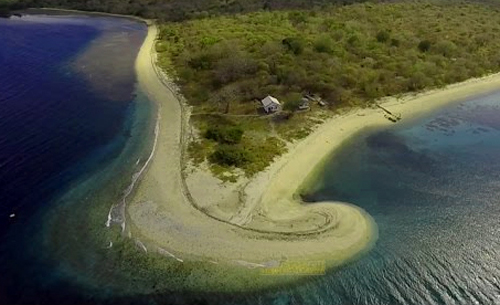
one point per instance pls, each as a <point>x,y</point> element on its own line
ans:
<point>252,152</point>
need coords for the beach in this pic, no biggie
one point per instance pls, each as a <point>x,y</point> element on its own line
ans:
<point>271,225</point>
<point>292,172</point>
<point>162,218</point>
<point>108,138</point>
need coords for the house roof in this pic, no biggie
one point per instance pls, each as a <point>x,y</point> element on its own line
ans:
<point>270,100</point>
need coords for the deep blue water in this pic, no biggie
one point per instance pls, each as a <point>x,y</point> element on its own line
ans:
<point>58,126</point>
<point>68,143</point>
<point>38,115</point>
<point>50,119</point>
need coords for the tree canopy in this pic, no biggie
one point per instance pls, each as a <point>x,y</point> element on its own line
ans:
<point>178,10</point>
<point>349,56</point>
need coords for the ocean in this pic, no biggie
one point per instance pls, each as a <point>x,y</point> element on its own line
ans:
<point>433,187</point>
<point>74,129</point>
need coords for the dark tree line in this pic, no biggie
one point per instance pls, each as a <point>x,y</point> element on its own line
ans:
<point>177,10</point>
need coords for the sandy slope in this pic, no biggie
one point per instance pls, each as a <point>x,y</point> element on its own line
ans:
<point>163,219</point>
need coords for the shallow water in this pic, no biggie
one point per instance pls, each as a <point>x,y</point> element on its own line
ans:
<point>70,143</point>
<point>433,187</point>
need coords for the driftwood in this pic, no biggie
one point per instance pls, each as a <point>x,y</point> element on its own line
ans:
<point>389,115</point>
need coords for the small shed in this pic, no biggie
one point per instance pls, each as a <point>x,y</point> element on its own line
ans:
<point>270,104</point>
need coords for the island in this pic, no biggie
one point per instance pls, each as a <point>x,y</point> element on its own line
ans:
<point>246,116</point>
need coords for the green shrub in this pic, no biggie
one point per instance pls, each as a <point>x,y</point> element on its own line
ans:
<point>294,44</point>
<point>418,81</point>
<point>296,18</point>
<point>383,36</point>
<point>292,102</point>
<point>202,61</point>
<point>225,134</point>
<point>445,48</point>
<point>353,40</point>
<point>230,155</point>
<point>424,46</point>
<point>237,66</point>
<point>323,44</point>
<point>395,42</point>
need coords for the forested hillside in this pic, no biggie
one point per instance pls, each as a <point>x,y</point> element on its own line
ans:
<point>176,10</point>
<point>350,56</point>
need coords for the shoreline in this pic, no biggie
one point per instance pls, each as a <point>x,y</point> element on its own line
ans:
<point>61,11</point>
<point>307,155</point>
<point>272,226</point>
<point>163,220</point>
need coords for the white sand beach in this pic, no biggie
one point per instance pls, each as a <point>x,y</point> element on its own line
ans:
<point>271,224</point>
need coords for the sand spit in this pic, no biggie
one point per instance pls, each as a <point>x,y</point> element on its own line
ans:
<point>291,172</point>
<point>161,213</point>
<point>271,225</point>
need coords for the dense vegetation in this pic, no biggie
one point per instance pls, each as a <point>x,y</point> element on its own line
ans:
<point>349,55</point>
<point>5,7</point>
<point>229,142</point>
<point>176,10</point>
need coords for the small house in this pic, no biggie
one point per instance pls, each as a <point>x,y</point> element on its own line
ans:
<point>270,104</point>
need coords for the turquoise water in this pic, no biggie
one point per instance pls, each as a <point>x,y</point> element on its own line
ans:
<point>433,187</point>
<point>70,143</point>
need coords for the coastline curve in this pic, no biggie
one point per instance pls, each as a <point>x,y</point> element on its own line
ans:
<point>272,225</point>
<point>162,215</point>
